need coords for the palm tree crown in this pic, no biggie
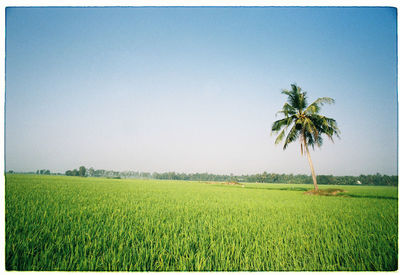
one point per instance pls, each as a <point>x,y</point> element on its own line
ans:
<point>302,121</point>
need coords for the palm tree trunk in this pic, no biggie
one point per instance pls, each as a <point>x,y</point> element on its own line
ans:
<point>312,168</point>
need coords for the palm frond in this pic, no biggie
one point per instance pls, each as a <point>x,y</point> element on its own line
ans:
<point>310,140</point>
<point>277,125</point>
<point>311,128</point>
<point>296,97</point>
<point>325,125</point>
<point>287,110</point>
<point>280,137</point>
<point>315,107</point>
<point>303,100</point>
<point>292,136</point>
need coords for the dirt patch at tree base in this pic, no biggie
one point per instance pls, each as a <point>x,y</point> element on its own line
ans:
<point>326,192</point>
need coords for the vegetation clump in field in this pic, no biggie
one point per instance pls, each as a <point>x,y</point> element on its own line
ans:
<point>325,192</point>
<point>227,183</point>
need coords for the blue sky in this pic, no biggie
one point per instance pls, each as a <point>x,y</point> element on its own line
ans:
<point>197,89</point>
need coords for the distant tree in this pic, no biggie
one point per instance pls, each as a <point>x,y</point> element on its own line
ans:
<point>46,172</point>
<point>75,172</point>
<point>68,173</point>
<point>91,172</point>
<point>305,123</point>
<point>82,171</point>
<point>145,174</point>
<point>10,171</point>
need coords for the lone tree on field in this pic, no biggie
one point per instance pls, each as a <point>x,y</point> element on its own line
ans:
<point>304,122</point>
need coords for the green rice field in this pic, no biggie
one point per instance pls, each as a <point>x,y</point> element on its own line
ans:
<point>58,223</point>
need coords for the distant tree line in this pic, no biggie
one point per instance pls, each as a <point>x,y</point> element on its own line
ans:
<point>116,174</point>
<point>377,179</point>
<point>43,172</point>
<point>265,177</point>
<point>81,172</point>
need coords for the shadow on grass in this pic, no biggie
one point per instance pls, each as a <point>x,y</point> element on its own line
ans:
<point>341,194</point>
<point>306,189</point>
<point>279,188</point>
<point>367,197</point>
<point>227,186</point>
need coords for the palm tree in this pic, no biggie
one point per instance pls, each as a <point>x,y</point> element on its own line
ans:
<point>304,122</point>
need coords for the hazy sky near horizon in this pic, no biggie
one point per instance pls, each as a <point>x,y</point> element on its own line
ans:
<point>197,89</point>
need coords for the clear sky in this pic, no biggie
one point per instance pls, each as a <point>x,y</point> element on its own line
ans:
<point>197,89</point>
